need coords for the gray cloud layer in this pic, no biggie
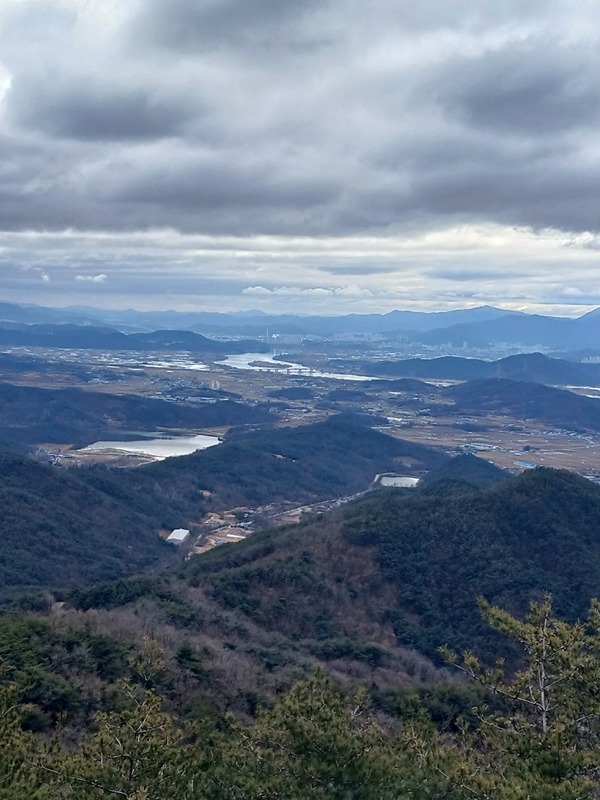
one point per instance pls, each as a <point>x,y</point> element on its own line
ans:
<point>340,118</point>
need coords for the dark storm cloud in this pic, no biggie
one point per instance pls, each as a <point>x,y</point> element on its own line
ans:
<point>214,185</point>
<point>261,118</point>
<point>404,116</point>
<point>536,87</point>
<point>547,192</point>
<point>79,108</point>
<point>259,25</point>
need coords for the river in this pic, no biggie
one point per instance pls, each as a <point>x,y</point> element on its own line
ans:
<point>261,362</point>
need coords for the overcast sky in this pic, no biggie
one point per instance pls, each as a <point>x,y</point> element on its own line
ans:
<point>325,156</point>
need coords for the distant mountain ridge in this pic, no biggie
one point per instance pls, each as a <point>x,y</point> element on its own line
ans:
<point>36,315</point>
<point>88,337</point>
<point>251,323</point>
<point>534,330</point>
<point>529,367</point>
<point>480,327</point>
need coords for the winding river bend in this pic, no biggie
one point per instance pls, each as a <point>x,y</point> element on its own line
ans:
<point>261,362</point>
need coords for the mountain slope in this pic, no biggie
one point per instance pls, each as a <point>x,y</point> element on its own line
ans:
<point>529,367</point>
<point>556,407</point>
<point>528,330</point>
<point>538,532</point>
<point>405,569</point>
<point>32,415</point>
<point>468,469</point>
<point>58,530</point>
<point>62,527</point>
<point>306,464</point>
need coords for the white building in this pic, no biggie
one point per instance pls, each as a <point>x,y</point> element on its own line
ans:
<point>179,536</point>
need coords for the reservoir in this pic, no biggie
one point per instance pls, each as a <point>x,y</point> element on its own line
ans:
<point>403,481</point>
<point>158,448</point>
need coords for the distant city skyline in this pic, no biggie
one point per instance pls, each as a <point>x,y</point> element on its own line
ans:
<point>324,158</point>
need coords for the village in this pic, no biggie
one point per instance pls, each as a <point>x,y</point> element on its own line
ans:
<point>236,524</point>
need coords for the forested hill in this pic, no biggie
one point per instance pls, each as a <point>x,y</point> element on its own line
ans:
<point>467,470</point>
<point>529,367</point>
<point>32,415</point>
<point>412,565</point>
<point>325,460</point>
<point>142,671</point>
<point>537,533</point>
<point>57,530</point>
<point>556,407</point>
<point>66,527</point>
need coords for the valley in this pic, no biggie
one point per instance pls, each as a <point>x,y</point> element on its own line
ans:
<point>299,400</point>
<point>346,509</point>
<point>410,408</point>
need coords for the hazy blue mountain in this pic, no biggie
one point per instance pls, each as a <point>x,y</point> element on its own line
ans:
<point>258,323</point>
<point>32,314</point>
<point>477,327</point>
<point>532,331</point>
<point>250,323</point>
<point>531,367</point>
<point>88,337</point>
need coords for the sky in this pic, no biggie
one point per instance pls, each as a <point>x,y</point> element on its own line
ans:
<point>330,156</point>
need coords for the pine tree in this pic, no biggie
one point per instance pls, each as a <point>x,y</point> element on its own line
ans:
<point>313,743</point>
<point>136,753</point>
<point>545,745</point>
<point>19,751</point>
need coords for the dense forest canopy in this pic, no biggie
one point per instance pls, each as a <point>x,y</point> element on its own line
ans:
<point>412,562</point>
<point>307,660</point>
<point>535,735</point>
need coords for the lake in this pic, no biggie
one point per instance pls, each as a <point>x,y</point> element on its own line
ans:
<point>159,448</point>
